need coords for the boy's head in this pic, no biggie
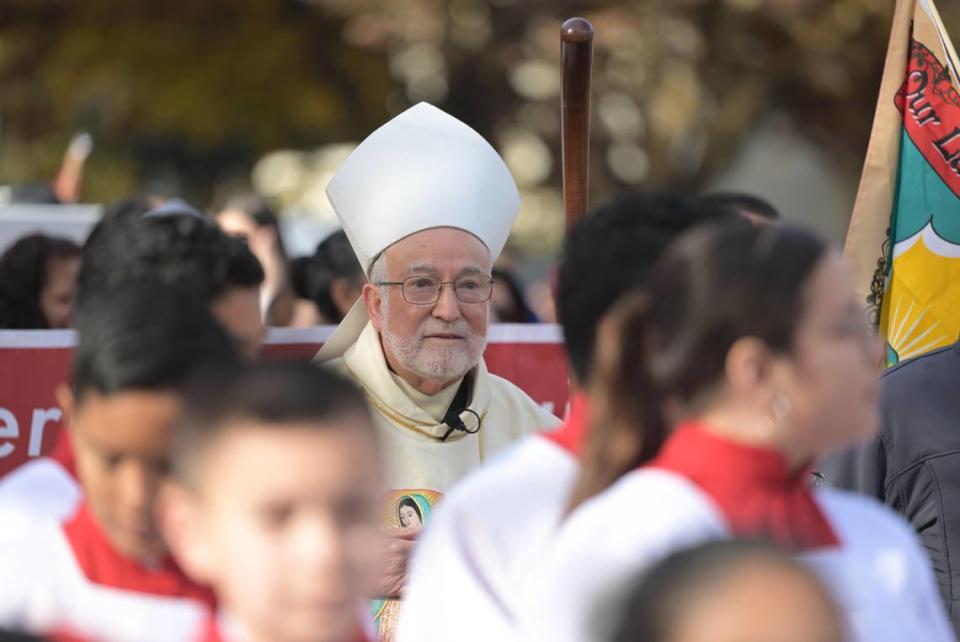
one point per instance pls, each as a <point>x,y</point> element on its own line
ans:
<point>136,348</point>
<point>274,499</point>
<point>181,248</point>
<point>612,252</point>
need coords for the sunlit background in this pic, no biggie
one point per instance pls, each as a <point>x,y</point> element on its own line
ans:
<point>200,98</point>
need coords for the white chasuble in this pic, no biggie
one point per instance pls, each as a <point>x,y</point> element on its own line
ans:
<point>420,467</point>
<point>410,437</point>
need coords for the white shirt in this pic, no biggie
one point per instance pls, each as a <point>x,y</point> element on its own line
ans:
<point>46,588</point>
<point>879,575</point>
<point>469,566</point>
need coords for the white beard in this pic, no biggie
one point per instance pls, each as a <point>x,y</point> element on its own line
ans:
<point>431,361</point>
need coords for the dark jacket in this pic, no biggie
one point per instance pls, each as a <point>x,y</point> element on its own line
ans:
<point>913,464</point>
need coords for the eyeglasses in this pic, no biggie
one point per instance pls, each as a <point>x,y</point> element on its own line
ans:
<point>425,290</point>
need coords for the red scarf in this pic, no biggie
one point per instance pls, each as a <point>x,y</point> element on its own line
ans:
<point>572,435</point>
<point>102,564</point>
<point>753,487</point>
<point>62,453</point>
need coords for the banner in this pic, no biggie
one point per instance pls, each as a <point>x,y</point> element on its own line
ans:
<point>34,362</point>
<point>73,222</point>
<point>904,236</point>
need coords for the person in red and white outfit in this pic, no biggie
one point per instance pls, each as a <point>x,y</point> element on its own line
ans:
<point>487,532</point>
<point>275,501</point>
<point>748,357</point>
<point>103,573</point>
<point>174,245</point>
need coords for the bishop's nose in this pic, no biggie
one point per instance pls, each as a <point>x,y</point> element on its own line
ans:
<point>447,306</point>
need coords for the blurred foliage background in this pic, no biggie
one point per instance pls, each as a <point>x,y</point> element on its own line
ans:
<point>199,97</point>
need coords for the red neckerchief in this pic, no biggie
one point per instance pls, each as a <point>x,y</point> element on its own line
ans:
<point>211,632</point>
<point>572,435</point>
<point>753,487</point>
<point>104,566</point>
<point>62,453</point>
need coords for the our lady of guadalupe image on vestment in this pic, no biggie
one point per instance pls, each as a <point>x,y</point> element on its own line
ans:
<point>401,509</point>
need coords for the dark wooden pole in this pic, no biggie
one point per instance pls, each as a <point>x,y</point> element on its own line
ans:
<point>576,58</point>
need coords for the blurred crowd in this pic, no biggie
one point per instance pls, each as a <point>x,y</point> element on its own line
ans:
<point>394,489</point>
<point>38,273</point>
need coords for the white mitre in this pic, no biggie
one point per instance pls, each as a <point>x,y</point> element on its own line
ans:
<point>421,170</point>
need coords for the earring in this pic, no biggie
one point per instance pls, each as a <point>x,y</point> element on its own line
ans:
<point>781,406</point>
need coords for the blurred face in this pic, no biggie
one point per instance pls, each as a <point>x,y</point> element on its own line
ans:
<point>56,297</point>
<point>345,292</point>
<point>504,307</point>
<point>762,602</point>
<point>282,524</point>
<point>431,346</point>
<point>831,377</point>
<point>409,517</point>
<point>238,310</point>
<point>121,442</point>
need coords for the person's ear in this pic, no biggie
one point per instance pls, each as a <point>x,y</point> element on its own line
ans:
<point>179,516</point>
<point>749,366</point>
<point>373,299</point>
<point>67,402</point>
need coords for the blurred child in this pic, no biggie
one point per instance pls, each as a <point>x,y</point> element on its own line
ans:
<point>728,591</point>
<point>173,245</point>
<point>103,573</point>
<point>38,277</point>
<point>274,501</point>
<point>746,359</point>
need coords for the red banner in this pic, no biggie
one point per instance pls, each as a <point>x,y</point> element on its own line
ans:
<point>34,362</point>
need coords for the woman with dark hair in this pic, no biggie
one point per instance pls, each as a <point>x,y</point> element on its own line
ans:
<point>747,358</point>
<point>80,547</point>
<point>729,591</point>
<point>409,513</point>
<point>331,278</point>
<point>249,216</point>
<point>509,305</point>
<point>38,277</point>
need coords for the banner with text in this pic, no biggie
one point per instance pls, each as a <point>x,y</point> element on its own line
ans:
<point>34,362</point>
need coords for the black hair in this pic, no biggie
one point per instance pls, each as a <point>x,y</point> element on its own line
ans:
<point>406,500</point>
<point>173,248</point>
<point>266,392</point>
<point>743,203</point>
<point>24,270</point>
<point>661,597</point>
<point>131,206</point>
<point>333,259</point>
<point>146,335</point>
<point>520,312</point>
<point>611,252</point>
<point>716,284</point>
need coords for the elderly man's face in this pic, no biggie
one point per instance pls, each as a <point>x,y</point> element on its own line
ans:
<point>433,345</point>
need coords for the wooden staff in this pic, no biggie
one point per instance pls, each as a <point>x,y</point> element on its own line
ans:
<point>576,57</point>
